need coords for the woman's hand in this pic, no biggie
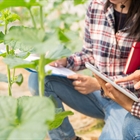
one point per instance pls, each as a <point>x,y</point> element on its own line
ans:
<point>102,83</point>
<point>134,76</point>
<point>59,63</point>
<point>115,95</point>
<point>84,84</point>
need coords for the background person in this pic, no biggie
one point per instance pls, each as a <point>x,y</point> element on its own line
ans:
<point>111,28</point>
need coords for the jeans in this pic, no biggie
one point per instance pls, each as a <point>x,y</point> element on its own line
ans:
<point>93,105</point>
<point>33,84</point>
<point>131,128</point>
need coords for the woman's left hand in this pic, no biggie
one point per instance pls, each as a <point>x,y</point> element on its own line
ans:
<point>115,95</point>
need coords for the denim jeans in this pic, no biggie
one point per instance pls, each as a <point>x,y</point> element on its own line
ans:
<point>131,128</point>
<point>33,83</point>
<point>93,105</point>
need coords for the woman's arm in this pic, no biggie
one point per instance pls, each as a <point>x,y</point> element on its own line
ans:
<point>120,98</point>
<point>114,94</point>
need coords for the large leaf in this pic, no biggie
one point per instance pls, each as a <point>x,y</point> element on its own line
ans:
<point>58,52</point>
<point>14,62</point>
<point>20,37</point>
<point>25,117</point>
<point>3,78</point>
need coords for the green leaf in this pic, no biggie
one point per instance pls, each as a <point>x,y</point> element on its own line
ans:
<point>58,110</point>
<point>77,2</point>
<point>18,79</point>
<point>6,16</point>
<point>3,78</point>
<point>16,3</point>
<point>58,119</point>
<point>59,52</point>
<point>23,37</point>
<point>1,37</point>
<point>62,36</point>
<point>14,62</point>
<point>23,55</point>
<point>25,117</point>
<point>43,2</point>
<point>54,101</point>
<point>41,42</point>
<point>3,54</point>
<point>75,43</point>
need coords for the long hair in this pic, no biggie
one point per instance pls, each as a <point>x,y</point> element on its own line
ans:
<point>133,19</point>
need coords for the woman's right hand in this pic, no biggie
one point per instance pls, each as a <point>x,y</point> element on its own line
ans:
<point>134,76</point>
<point>59,63</point>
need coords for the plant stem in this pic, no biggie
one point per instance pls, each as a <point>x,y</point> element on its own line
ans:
<point>41,71</point>
<point>9,81</point>
<point>32,17</point>
<point>8,69</point>
<point>41,17</point>
<point>13,76</point>
<point>41,74</point>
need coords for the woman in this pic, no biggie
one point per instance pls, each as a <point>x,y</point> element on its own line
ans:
<point>111,28</point>
<point>131,126</point>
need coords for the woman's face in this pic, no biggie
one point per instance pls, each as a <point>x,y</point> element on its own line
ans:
<point>118,1</point>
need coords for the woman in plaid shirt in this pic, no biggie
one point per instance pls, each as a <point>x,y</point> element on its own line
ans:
<point>111,28</point>
<point>131,126</point>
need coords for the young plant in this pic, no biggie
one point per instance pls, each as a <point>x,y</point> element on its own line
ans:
<point>28,117</point>
<point>25,116</point>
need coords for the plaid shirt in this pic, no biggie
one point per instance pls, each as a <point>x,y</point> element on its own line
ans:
<point>103,47</point>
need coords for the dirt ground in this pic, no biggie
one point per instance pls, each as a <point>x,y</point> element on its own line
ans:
<point>81,123</point>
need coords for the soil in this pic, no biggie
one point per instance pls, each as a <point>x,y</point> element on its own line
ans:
<point>82,124</point>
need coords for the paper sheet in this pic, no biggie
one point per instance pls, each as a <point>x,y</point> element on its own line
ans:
<point>59,71</point>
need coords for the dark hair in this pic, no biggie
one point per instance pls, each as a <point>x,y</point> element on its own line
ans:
<point>133,18</point>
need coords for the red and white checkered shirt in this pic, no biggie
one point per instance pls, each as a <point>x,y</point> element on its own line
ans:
<point>103,47</point>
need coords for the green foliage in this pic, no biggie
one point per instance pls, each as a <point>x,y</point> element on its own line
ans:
<point>14,62</point>
<point>59,117</point>
<point>29,3</point>
<point>76,2</point>
<point>23,37</point>
<point>18,79</point>
<point>20,37</point>
<point>16,3</point>
<point>31,117</point>
<point>1,37</point>
<point>7,17</point>
<point>25,117</point>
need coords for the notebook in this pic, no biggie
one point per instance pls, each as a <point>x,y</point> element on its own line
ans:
<point>133,61</point>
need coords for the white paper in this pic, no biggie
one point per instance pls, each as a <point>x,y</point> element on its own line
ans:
<point>60,71</point>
